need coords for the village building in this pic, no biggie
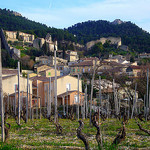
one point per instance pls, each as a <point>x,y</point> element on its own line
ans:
<point>133,71</point>
<point>39,42</point>
<point>10,85</point>
<point>64,69</point>
<point>72,56</point>
<point>9,72</point>
<point>64,84</point>
<point>144,55</point>
<point>49,72</point>
<point>84,65</point>
<point>111,68</point>
<point>92,59</point>
<point>81,67</point>
<point>59,61</point>
<point>41,67</point>
<point>118,58</point>
<point>15,35</point>
<point>49,60</point>
<point>71,97</point>
<point>45,60</point>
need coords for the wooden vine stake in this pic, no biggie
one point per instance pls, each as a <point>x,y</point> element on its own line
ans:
<point>1,99</point>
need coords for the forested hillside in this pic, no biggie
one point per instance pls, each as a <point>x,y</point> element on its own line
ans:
<point>131,34</point>
<point>8,21</point>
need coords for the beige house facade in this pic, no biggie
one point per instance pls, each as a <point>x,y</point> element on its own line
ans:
<point>9,84</point>
<point>72,55</point>
<point>64,83</point>
<point>49,72</point>
<point>42,68</point>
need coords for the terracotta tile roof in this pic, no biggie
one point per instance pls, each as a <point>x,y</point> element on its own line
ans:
<point>42,65</point>
<point>9,76</point>
<point>90,58</point>
<point>67,93</point>
<point>10,71</point>
<point>45,79</point>
<point>112,63</point>
<point>41,78</point>
<point>116,69</point>
<point>83,63</point>
<point>135,67</point>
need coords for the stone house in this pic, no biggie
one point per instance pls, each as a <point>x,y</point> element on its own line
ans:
<point>64,69</point>
<point>41,67</point>
<point>50,60</point>
<point>111,68</point>
<point>144,55</point>
<point>133,71</point>
<point>25,37</point>
<point>81,67</point>
<point>92,59</point>
<point>59,61</point>
<point>49,72</point>
<point>84,65</point>
<point>39,42</point>
<point>45,60</point>
<point>72,55</point>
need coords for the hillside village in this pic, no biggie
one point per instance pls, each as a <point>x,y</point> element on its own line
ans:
<point>66,89</point>
<point>69,66</point>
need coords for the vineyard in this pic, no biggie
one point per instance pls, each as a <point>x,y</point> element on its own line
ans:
<point>42,134</point>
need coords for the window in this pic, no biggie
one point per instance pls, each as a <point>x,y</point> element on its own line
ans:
<point>83,70</point>
<point>68,86</point>
<point>45,87</point>
<point>16,87</point>
<point>76,99</point>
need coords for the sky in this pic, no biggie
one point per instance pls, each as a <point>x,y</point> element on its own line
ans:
<point>65,13</point>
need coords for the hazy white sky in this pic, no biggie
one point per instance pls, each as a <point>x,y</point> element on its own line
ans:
<point>64,13</point>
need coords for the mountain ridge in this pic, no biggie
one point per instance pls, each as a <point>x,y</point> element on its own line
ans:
<point>131,35</point>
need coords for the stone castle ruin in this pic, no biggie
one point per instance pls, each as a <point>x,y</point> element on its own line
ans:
<point>113,40</point>
<point>39,42</point>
